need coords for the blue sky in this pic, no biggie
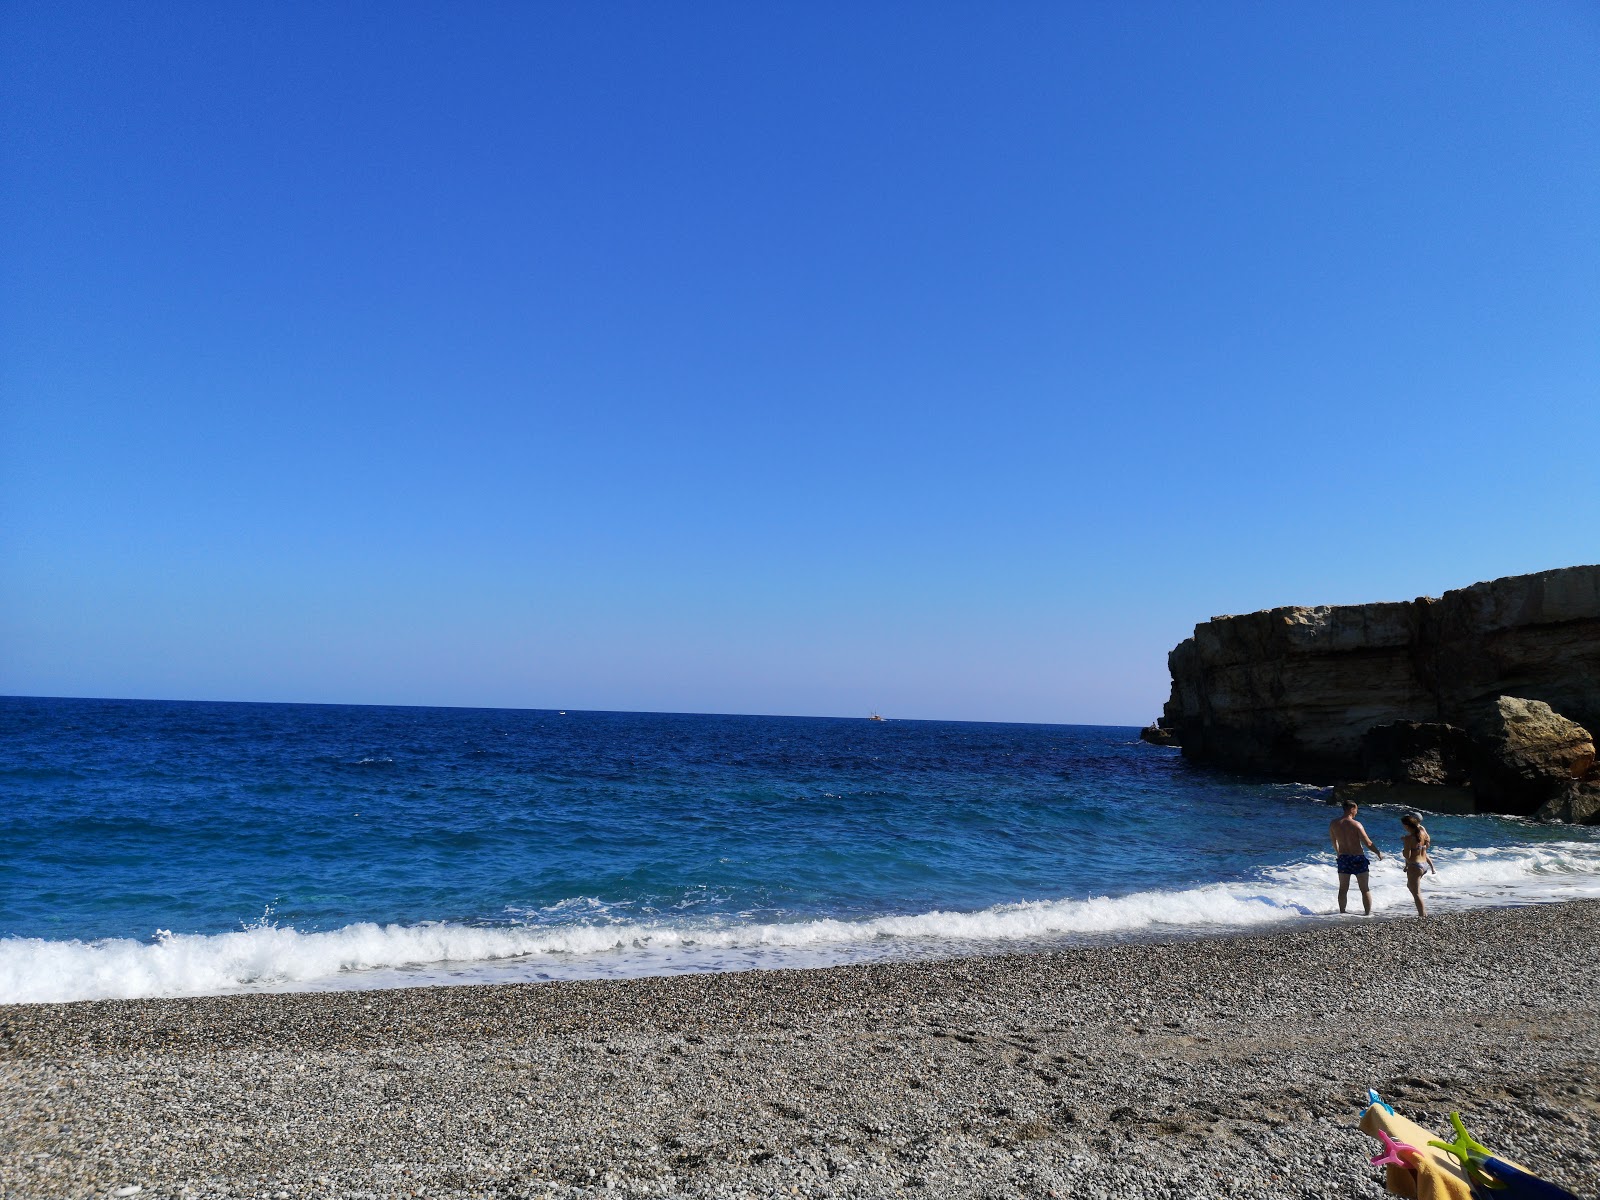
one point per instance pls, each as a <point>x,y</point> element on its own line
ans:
<point>950,360</point>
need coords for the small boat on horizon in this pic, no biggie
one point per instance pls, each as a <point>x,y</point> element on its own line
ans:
<point>874,717</point>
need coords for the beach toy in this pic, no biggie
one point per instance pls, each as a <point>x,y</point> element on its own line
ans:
<point>1374,1098</point>
<point>1392,1151</point>
<point>1502,1181</point>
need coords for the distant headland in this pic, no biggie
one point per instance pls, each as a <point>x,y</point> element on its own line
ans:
<point>1480,700</point>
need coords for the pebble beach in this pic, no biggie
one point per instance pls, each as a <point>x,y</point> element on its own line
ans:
<point>1227,1066</point>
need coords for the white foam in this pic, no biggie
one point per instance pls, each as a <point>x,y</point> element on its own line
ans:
<point>366,955</point>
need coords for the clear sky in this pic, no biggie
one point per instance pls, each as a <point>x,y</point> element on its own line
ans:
<point>950,360</point>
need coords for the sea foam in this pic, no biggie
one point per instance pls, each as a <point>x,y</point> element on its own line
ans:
<point>268,957</point>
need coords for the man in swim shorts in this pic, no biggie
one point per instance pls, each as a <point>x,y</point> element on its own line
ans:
<point>1350,841</point>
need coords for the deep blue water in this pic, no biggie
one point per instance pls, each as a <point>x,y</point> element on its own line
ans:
<point>601,842</point>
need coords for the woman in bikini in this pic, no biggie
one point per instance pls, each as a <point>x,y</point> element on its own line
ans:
<point>1418,861</point>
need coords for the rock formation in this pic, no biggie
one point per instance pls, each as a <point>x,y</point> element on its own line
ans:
<point>1577,802</point>
<point>1491,688</point>
<point>1423,752</point>
<point>1528,745</point>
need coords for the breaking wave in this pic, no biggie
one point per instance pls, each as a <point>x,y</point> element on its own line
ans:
<point>268,957</point>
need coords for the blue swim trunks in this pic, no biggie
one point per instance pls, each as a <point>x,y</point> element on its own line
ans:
<point>1353,864</point>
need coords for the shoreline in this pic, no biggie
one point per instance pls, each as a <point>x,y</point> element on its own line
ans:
<point>1293,896</point>
<point>1197,1065</point>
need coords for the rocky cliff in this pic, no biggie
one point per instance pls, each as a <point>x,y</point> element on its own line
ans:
<point>1299,692</point>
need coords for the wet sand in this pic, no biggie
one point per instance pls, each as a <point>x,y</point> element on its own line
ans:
<point>1224,1066</point>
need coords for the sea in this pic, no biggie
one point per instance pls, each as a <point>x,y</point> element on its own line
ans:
<point>174,849</point>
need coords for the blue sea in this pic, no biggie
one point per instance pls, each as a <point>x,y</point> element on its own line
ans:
<point>153,849</point>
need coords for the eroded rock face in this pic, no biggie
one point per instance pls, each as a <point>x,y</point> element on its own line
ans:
<point>1532,743</point>
<point>1426,752</point>
<point>1158,735</point>
<point>1577,802</point>
<point>1534,636</point>
<point>1294,692</point>
<point>1517,756</point>
<point>1432,797</point>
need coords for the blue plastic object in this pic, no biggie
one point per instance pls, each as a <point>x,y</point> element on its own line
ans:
<point>1510,1183</point>
<point>1374,1098</point>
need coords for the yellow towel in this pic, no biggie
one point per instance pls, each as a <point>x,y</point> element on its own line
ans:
<point>1437,1176</point>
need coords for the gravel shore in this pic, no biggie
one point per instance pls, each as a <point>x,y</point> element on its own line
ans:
<point>1226,1066</point>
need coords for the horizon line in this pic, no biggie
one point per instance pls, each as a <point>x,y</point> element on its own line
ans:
<point>620,712</point>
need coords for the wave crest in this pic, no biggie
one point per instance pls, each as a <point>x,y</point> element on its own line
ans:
<point>366,954</point>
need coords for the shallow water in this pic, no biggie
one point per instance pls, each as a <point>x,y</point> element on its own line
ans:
<point>151,848</point>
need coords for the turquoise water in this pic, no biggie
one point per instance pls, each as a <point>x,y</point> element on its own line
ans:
<point>167,848</point>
